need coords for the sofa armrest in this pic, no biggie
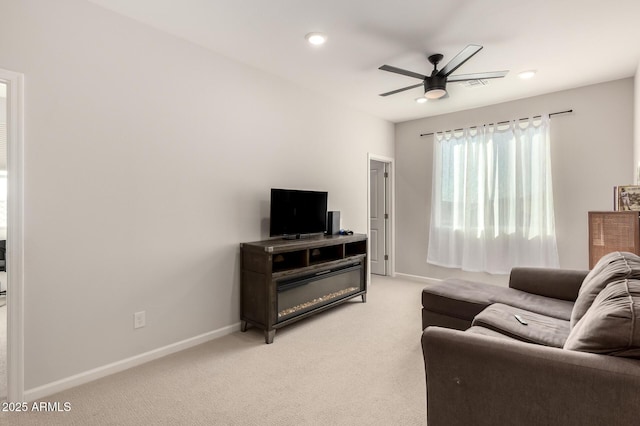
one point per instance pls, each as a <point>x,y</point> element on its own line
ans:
<point>481,380</point>
<point>557,283</point>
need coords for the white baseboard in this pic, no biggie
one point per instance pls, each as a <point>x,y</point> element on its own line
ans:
<point>416,277</point>
<point>118,366</point>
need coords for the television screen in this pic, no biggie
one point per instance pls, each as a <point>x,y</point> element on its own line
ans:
<point>295,212</point>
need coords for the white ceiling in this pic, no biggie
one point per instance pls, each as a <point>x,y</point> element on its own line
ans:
<point>570,43</point>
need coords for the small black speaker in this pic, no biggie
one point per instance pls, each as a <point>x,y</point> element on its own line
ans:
<point>333,223</point>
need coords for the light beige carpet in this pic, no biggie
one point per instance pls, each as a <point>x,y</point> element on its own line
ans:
<point>357,364</point>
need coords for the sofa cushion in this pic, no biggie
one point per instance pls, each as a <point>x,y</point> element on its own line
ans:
<point>540,329</point>
<point>487,332</point>
<point>612,323</point>
<point>561,284</point>
<point>611,267</point>
<point>465,299</point>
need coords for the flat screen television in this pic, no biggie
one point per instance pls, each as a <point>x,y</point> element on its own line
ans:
<point>295,212</point>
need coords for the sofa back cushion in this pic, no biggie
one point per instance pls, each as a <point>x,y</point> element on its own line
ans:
<point>611,267</point>
<point>612,323</point>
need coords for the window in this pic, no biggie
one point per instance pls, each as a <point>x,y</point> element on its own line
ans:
<point>492,199</point>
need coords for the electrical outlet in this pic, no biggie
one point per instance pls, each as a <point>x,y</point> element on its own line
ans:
<point>139,319</point>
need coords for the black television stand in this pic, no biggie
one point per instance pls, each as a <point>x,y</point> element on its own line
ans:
<point>283,281</point>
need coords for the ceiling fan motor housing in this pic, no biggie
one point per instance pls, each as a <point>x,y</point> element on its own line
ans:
<point>435,82</point>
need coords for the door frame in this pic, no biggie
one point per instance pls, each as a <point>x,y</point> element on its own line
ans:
<point>15,234</point>
<point>391,243</point>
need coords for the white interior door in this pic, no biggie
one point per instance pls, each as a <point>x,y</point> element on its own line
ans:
<point>378,212</point>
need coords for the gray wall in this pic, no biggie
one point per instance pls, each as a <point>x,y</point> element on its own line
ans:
<point>147,161</point>
<point>592,150</point>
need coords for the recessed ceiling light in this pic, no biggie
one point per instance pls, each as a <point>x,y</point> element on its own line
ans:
<point>421,100</point>
<point>316,38</point>
<point>525,75</point>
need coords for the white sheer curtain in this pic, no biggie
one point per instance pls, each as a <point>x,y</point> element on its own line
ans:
<point>492,198</point>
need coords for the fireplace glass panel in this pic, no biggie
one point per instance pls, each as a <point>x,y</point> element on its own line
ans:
<point>297,297</point>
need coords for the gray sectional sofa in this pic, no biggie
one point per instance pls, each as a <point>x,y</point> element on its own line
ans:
<point>557,347</point>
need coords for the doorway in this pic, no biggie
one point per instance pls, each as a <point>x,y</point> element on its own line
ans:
<point>3,237</point>
<point>380,215</point>
<point>13,281</point>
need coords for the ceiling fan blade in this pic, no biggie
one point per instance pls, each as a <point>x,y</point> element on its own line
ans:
<point>477,76</point>
<point>459,59</point>
<point>403,72</point>
<point>401,90</point>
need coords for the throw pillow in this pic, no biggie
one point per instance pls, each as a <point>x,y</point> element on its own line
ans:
<point>612,323</point>
<point>611,267</point>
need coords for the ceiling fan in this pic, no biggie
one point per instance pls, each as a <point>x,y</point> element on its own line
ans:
<point>435,85</point>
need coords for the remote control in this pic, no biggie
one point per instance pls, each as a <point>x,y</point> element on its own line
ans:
<point>520,320</point>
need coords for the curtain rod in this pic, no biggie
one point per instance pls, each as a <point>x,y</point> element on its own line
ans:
<point>501,122</point>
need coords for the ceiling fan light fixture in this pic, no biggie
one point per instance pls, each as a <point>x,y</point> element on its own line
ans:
<point>435,93</point>
<point>316,39</point>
